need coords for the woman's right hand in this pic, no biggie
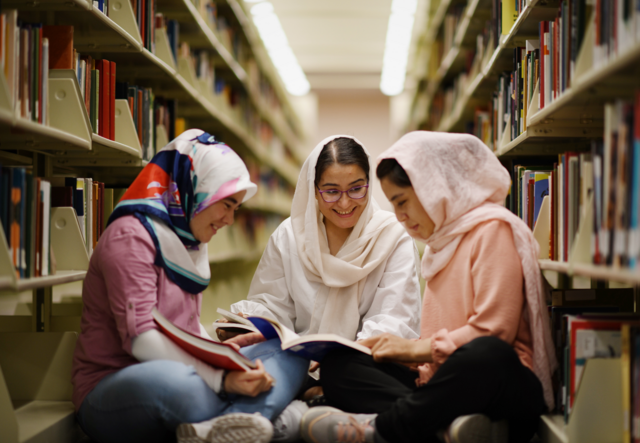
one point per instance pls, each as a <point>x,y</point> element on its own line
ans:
<point>249,383</point>
<point>224,334</point>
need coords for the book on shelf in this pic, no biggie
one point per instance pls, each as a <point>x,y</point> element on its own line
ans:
<point>25,217</point>
<point>217,354</point>
<point>60,46</point>
<point>615,176</point>
<point>25,58</point>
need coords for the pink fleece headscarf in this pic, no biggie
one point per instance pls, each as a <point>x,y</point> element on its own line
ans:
<point>460,183</point>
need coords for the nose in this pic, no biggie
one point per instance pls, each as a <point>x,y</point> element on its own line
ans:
<point>344,201</point>
<point>401,216</point>
<point>229,218</point>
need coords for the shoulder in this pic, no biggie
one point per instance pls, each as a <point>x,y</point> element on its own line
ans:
<point>492,237</point>
<point>282,238</point>
<point>127,229</point>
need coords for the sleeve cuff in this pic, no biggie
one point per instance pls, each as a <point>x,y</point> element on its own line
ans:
<point>442,346</point>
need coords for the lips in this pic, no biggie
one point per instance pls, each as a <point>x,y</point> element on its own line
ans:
<point>214,229</point>
<point>346,214</point>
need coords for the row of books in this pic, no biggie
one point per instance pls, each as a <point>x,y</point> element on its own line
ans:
<point>607,178</point>
<point>561,41</point>
<point>25,214</point>
<point>568,183</point>
<point>616,175</point>
<point>604,335</point>
<point>505,116</point>
<point>450,26</point>
<point>587,324</point>
<point>145,14</point>
<point>25,55</point>
<point>92,201</point>
<point>617,28</point>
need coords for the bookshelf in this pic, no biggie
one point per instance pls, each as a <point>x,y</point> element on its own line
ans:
<point>453,62</point>
<point>263,129</point>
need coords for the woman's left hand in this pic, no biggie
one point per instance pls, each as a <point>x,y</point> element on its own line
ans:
<point>390,348</point>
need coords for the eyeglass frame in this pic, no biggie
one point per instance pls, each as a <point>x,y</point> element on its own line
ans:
<point>344,192</point>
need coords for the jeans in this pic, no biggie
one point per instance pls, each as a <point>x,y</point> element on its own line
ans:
<point>147,401</point>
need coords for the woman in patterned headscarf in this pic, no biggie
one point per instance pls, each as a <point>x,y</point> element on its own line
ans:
<point>131,382</point>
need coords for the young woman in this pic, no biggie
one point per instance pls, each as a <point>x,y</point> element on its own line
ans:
<point>133,384</point>
<point>340,264</point>
<point>485,354</point>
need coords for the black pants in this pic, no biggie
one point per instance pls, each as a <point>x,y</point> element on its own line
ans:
<point>484,376</point>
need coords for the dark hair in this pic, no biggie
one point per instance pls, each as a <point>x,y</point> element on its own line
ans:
<point>344,151</point>
<point>390,168</point>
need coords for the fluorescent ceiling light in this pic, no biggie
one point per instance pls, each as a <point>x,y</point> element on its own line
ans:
<point>275,40</point>
<point>398,42</point>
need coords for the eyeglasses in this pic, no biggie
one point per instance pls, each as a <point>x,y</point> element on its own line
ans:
<point>333,195</point>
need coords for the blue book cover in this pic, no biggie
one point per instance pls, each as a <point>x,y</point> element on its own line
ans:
<point>312,347</point>
<point>540,190</point>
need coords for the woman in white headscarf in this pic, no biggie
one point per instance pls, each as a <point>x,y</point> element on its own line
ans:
<point>485,355</point>
<point>340,264</point>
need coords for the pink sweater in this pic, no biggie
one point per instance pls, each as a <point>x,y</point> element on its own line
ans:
<point>479,293</point>
<point>121,288</point>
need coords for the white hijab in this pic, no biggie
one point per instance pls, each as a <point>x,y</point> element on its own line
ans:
<point>372,240</point>
<point>461,183</point>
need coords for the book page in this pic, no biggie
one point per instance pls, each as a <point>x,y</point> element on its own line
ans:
<point>333,338</point>
<point>234,318</point>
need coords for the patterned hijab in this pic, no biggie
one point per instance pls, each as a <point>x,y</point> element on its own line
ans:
<point>186,177</point>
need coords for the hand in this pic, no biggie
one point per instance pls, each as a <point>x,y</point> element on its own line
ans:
<point>246,339</point>
<point>390,348</point>
<point>313,367</point>
<point>249,383</point>
<point>224,334</point>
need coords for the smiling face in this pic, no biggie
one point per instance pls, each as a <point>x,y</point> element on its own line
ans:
<point>408,209</point>
<point>345,213</point>
<point>205,224</point>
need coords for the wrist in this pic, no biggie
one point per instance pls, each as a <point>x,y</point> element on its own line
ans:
<point>422,350</point>
<point>224,393</point>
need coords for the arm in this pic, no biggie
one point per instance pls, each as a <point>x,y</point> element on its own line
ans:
<point>268,293</point>
<point>396,303</point>
<point>154,345</point>
<point>497,277</point>
<point>132,285</point>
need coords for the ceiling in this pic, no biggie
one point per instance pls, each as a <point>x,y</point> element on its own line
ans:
<point>338,43</point>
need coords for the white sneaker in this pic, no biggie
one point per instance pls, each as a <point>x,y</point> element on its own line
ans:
<point>286,428</point>
<point>477,428</point>
<point>236,427</point>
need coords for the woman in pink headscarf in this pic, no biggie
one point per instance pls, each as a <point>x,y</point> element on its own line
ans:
<point>485,355</point>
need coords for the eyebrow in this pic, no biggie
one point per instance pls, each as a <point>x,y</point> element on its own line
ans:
<point>235,202</point>
<point>335,184</point>
<point>396,196</point>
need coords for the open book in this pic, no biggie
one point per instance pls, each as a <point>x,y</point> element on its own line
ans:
<point>312,347</point>
<point>237,324</point>
<point>217,354</point>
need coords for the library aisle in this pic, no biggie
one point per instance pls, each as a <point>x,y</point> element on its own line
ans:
<point>91,90</point>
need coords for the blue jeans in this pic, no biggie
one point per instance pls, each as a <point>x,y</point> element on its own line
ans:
<point>147,401</point>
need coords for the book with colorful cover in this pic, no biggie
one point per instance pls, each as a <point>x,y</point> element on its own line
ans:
<point>219,355</point>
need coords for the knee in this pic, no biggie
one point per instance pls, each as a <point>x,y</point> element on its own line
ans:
<point>485,352</point>
<point>340,362</point>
